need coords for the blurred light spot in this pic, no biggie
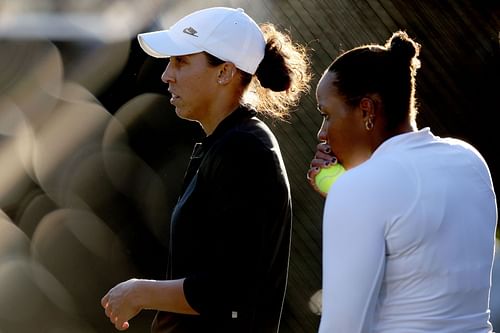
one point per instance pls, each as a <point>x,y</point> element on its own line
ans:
<point>316,302</point>
<point>13,242</point>
<point>16,142</point>
<point>105,20</point>
<point>17,285</point>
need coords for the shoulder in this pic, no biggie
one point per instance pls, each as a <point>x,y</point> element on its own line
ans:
<point>246,146</point>
<point>377,176</point>
<point>251,135</point>
<point>465,147</point>
<point>375,193</point>
<point>451,145</point>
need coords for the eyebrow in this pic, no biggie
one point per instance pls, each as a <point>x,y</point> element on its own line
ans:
<point>179,57</point>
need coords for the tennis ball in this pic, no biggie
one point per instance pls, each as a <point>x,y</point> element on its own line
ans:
<point>327,176</point>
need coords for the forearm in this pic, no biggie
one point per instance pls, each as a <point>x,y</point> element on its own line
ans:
<point>127,299</point>
<point>353,266</point>
<point>163,295</point>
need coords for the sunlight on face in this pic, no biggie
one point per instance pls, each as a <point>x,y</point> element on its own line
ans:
<point>338,118</point>
<point>192,83</point>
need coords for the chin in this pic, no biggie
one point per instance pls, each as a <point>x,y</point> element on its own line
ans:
<point>179,112</point>
<point>183,115</point>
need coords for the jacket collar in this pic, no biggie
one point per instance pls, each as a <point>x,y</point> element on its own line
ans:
<point>241,113</point>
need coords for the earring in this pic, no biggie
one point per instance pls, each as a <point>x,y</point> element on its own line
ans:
<point>369,124</point>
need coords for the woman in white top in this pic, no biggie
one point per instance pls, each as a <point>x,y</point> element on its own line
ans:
<point>409,228</point>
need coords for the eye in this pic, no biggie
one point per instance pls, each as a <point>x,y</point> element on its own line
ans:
<point>178,60</point>
<point>324,115</point>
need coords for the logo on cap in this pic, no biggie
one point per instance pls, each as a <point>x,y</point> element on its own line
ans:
<point>190,31</point>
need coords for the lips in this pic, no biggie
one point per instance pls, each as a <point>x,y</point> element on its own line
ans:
<point>173,98</point>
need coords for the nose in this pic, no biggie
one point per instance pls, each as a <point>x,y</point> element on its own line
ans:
<point>167,76</point>
<point>322,133</point>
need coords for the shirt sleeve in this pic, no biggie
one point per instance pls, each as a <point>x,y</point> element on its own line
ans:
<point>353,260</point>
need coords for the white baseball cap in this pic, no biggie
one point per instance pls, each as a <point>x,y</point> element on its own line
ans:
<point>226,33</point>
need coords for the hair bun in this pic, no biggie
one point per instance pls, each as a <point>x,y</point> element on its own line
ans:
<point>273,72</point>
<point>402,47</point>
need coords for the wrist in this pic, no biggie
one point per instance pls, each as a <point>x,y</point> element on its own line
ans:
<point>143,290</point>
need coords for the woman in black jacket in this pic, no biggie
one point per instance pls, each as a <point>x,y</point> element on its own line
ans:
<point>230,230</point>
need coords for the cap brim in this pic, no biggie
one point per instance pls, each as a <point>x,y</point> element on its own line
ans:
<point>164,44</point>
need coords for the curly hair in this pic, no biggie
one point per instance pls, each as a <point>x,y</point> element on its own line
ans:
<point>283,75</point>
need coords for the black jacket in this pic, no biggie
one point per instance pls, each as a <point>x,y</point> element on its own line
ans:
<point>230,232</point>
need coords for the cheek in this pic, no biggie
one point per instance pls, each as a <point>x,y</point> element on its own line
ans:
<point>330,132</point>
<point>331,129</point>
<point>338,137</point>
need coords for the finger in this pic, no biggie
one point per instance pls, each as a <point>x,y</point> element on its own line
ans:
<point>104,301</point>
<point>324,147</point>
<point>315,187</point>
<point>125,325</point>
<point>108,311</point>
<point>324,156</point>
<point>121,325</point>
<point>311,173</point>
<point>327,164</point>
<point>318,163</point>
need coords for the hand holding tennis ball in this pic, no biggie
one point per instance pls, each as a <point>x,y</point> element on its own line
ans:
<point>327,176</point>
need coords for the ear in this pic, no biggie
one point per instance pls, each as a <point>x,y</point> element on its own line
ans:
<point>226,73</point>
<point>367,106</point>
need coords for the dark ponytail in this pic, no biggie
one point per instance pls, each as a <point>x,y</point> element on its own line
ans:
<point>282,76</point>
<point>273,72</point>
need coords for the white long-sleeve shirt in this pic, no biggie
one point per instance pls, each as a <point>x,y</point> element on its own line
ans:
<point>408,240</point>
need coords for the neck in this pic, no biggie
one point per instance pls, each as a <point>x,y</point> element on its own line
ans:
<point>225,99</point>
<point>217,113</point>
<point>376,139</point>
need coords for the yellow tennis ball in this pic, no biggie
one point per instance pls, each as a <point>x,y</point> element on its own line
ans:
<point>327,176</point>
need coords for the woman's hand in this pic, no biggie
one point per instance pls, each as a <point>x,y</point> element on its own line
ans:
<point>322,159</point>
<point>121,303</point>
